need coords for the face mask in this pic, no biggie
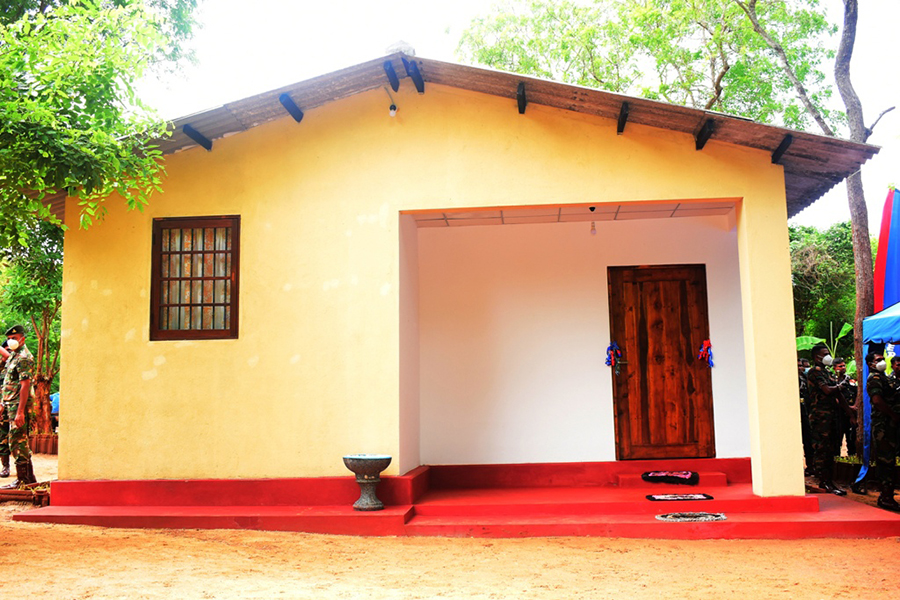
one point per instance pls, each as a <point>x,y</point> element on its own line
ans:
<point>806,370</point>
<point>12,343</point>
<point>827,360</point>
<point>881,366</point>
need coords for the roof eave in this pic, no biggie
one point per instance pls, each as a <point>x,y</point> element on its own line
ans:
<point>813,164</point>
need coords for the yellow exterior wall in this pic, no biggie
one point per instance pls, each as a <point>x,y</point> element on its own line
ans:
<point>315,372</point>
<point>770,350</point>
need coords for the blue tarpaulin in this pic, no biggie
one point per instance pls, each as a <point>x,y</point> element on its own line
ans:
<point>54,403</point>
<point>881,328</point>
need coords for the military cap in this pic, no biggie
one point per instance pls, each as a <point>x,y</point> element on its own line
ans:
<point>15,329</point>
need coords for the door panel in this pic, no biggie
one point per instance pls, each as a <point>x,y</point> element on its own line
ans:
<point>663,394</point>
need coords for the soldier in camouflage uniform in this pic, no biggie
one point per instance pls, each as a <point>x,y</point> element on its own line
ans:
<point>802,368</point>
<point>894,375</point>
<point>825,398</point>
<point>4,420</point>
<point>844,428</point>
<point>885,423</point>
<point>16,394</point>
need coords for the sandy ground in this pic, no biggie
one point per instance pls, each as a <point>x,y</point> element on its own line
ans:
<point>67,561</point>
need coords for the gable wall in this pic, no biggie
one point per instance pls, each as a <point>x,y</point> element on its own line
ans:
<point>315,372</point>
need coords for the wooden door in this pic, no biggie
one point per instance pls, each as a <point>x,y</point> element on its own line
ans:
<point>663,393</point>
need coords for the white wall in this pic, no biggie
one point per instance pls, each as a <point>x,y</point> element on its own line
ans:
<point>513,330</point>
<point>409,346</point>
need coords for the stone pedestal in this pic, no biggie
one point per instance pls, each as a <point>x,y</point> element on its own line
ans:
<point>367,468</point>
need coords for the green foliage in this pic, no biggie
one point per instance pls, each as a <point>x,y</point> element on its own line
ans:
<point>806,342</point>
<point>699,54</point>
<point>70,120</point>
<point>34,273</point>
<point>32,295</point>
<point>566,40</point>
<point>174,20</point>
<point>823,278</point>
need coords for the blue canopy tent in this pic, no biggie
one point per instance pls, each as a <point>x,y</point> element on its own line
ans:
<point>879,329</point>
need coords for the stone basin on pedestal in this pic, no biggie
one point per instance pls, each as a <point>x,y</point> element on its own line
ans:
<point>367,468</point>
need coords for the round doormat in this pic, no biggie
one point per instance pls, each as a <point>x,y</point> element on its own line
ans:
<point>691,517</point>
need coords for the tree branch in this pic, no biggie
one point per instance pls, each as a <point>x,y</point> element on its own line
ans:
<point>717,87</point>
<point>717,83</point>
<point>749,9</point>
<point>871,127</point>
<point>842,74</point>
<point>51,372</point>
<point>39,335</point>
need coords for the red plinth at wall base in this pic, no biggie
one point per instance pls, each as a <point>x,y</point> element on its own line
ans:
<point>580,499</point>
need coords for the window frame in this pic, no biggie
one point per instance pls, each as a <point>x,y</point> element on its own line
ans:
<point>161,223</point>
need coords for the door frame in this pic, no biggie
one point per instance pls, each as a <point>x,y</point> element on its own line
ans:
<point>698,327</point>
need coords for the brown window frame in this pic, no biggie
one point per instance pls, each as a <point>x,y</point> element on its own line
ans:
<point>156,278</point>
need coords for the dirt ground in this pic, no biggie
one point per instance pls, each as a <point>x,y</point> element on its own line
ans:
<point>77,562</point>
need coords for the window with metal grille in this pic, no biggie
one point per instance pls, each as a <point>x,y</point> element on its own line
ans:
<point>194,286</point>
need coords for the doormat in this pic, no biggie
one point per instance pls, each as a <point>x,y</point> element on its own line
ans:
<point>671,497</point>
<point>691,517</point>
<point>679,477</point>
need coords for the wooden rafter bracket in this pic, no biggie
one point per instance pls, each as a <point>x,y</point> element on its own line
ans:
<point>391,75</point>
<point>781,149</point>
<point>623,118</point>
<point>412,69</point>
<point>520,98</point>
<point>290,106</point>
<point>197,137</point>
<point>704,134</point>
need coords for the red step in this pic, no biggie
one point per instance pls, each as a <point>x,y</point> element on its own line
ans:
<point>310,519</point>
<point>600,501</point>
<point>707,479</point>
<point>575,474</point>
<point>839,517</point>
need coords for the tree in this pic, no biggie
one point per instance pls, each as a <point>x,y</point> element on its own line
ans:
<point>175,20</point>
<point>33,289</point>
<point>758,58</point>
<point>70,120</point>
<point>859,132</point>
<point>705,55</point>
<point>823,280</point>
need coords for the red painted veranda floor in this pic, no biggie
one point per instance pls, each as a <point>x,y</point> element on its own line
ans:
<point>573,499</point>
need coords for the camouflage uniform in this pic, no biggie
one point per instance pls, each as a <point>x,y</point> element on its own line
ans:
<point>822,412</point>
<point>884,432</point>
<point>805,432</point>
<point>4,430</point>
<point>843,426</point>
<point>19,367</point>
<point>894,381</point>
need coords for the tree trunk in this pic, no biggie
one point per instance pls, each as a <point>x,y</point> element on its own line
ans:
<point>42,406</point>
<point>865,281</point>
<point>859,214</point>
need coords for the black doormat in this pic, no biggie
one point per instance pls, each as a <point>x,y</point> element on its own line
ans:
<point>691,517</point>
<point>672,497</point>
<point>678,477</point>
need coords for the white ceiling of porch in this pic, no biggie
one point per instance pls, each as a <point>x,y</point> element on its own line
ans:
<point>569,213</point>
